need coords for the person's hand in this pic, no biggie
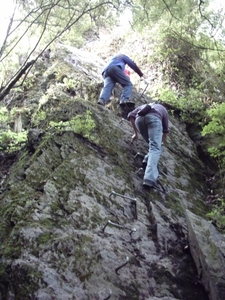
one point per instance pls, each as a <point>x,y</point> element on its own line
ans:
<point>144,76</point>
<point>133,138</point>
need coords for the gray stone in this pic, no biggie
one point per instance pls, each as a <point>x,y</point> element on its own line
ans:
<point>207,246</point>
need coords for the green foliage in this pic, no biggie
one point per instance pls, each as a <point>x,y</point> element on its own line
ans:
<point>69,83</point>
<point>12,141</point>
<point>216,128</point>
<point>218,213</point>
<point>168,95</point>
<point>185,54</point>
<point>167,13</point>
<point>189,102</point>
<point>36,25</point>
<point>69,22</point>
<point>81,124</point>
<point>4,116</point>
<point>38,117</point>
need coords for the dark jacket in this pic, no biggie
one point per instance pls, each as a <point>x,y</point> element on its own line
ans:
<point>121,60</point>
<point>158,110</point>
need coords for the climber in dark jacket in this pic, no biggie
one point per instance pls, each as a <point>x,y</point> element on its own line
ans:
<point>113,73</point>
<point>153,126</point>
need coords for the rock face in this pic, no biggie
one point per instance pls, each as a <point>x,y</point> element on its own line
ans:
<point>208,249</point>
<point>75,221</point>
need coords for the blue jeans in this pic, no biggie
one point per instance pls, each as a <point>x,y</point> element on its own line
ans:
<point>111,76</point>
<point>150,127</point>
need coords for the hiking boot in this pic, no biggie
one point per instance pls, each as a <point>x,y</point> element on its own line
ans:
<point>147,184</point>
<point>101,102</point>
<point>127,103</point>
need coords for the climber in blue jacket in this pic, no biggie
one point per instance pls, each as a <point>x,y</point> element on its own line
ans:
<point>113,73</point>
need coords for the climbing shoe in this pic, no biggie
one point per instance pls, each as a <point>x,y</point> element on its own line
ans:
<point>127,103</point>
<point>101,102</point>
<point>147,184</point>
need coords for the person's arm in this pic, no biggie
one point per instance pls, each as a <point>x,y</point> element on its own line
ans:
<point>164,137</point>
<point>165,124</point>
<point>135,135</point>
<point>133,65</point>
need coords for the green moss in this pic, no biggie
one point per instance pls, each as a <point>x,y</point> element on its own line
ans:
<point>20,165</point>
<point>10,241</point>
<point>213,250</point>
<point>199,208</point>
<point>82,266</point>
<point>23,280</point>
<point>11,249</point>
<point>132,292</point>
<point>44,238</point>
<point>174,203</point>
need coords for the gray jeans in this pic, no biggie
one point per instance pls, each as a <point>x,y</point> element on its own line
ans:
<point>150,127</point>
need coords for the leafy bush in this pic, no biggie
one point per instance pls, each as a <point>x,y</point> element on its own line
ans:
<point>81,124</point>
<point>38,117</point>
<point>69,83</point>
<point>169,96</point>
<point>12,141</point>
<point>4,116</point>
<point>216,128</point>
<point>189,103</point>
<point>218,213</point>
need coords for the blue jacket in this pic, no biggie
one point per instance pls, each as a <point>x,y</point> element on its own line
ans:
<point>122,60</point>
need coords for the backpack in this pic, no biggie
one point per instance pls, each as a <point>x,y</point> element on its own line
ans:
<point>145,110</point>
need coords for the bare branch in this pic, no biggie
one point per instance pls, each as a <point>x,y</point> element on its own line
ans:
<point>8,32</point>
<point>72,20</point>
<point>168,8</point>
<point>27,29</point>
<point>5,90</point>
<point>201,14</point>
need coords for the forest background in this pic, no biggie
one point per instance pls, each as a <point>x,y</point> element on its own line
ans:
<point>187,49</point>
